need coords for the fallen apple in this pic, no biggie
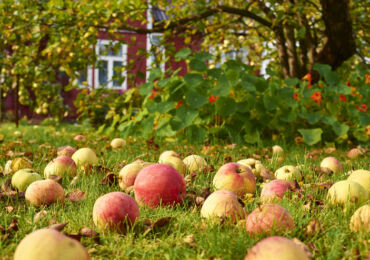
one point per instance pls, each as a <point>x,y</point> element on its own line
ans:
<point>195,163</point>
<point>61,166</point>
<point>222,204</point>
<point>362,177</point>
<point>46,244</point>
<point>276,247</point>
<point>66,151</point>
<point>44,192</point>
<point>115,211</point>
<point>343,192</point>
<point>159,185</point>
<point>23,178</point>
<point>255,165</point>
<point>360,220</point>
<point>168,153</point>
<point>235,177</point>
<point>275,190</point>
<point>288,173</point>
<point>85,156</point>
<point>268,219</point>
<point>81,138</point>
<point>277,150</point>
<point>175,162</point>
<point>117,143</point>
<point>128,173</point>
<point>331,164</point>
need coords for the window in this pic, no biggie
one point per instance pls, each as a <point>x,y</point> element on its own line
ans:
<point>156,52</point>
<point>110,70</point>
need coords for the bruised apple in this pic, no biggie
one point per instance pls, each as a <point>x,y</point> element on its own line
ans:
<point>159,185</point>
<point>115,211</point>
<point>44,192</point>
<point>46,244</point>
<point>346,191</point>
<point>275,190</point>
<point>60,166</point>
<point>269,218</point>
<point>235,177</point>
<point>276,247</point>
<point>85,156</point>
<point>195,163</point>
<point>222,203</point>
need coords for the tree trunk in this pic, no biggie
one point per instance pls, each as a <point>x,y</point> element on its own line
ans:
<point>340,44</point>
<point>17,103</point>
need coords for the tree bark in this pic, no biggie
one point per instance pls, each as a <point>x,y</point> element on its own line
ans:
<point>282,52</point>
<point>17,102</point>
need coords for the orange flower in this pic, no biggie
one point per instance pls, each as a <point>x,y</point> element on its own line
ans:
<point>308,78</point>
<point>212,99</point>
<point>367,79</point>
<point>342,97</point>
<point>348,83</point>
<point>154,93</point>
<point>295,96</point>
<point>316,96</point>
<point>362,108</point>
<point>179,104</point>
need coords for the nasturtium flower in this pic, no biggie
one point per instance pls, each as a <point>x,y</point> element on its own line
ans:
<point>295,96</point>
<point>316,96</point>
<point>212,99</point>
<point>342,97</point>
<point>308,78</point>
<point>362,108</point>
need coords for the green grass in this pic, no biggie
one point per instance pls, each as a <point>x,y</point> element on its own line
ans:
<point>333,241</point>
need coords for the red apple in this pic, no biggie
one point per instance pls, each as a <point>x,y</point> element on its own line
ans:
<point>115,211</point>
<point>61,166</point>
<point>236,178</point>
<point>275,190</point>
<point>44,192</point>
<point>269,218</point>
<point>66,151</point>
<point>276,247</point>
<point>331,164</point>
<point>159,184</point>
<point>80,138</point>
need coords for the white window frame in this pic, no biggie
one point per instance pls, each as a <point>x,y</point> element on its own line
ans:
<point>151,58</point>
<point>88,78</point>
<point>110,60</point>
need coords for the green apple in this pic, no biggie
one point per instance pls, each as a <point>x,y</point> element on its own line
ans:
<point>117,143</point>
<point>346,191</point>
<point>360,220</point>
<point>85,156</point>
<point>168,153</point>
<point>288,173</point>
<point>23,178</point>
<point>195,163</point>
<point>175,162</point>
<point>60,166</point>
<point>362,177</point>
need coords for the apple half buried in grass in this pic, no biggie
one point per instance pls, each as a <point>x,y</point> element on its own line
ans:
<point>235,177</point>
<point>117,143</point>
<point>128,173</point>
<point>23,178</point>
<point>275,190</point>
<point>274,248</point>
<point>269,218</point>
<point>362,177</point>
<point>47,244</point>
<point>195,163</point>
<point>222,203</point>
<point>331,164</point>
<point>66,151</point>
<point>159,185</point>
<point>343,192</point>
<point>288,173</point>
<point>44,192</point>
<point>61,166</point>
<point>175,162</point>
<point>360,220</point>
<point>115,211</point>
<point>85,156</point>
<point>168,153</point>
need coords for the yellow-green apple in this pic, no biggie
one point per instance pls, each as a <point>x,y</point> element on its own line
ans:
<point>66,151</point>
<point>128,173</point>
<point>159,184</point>
<point>275,190</point>
<point>23,178</point>
<point>44,192</point>
<point>115,211</point>
<point>61,166</point>
<point>269,218</point>
<point>222,203</point>
<point>288,173</point>
<point>85,156</point>
<point>168,153</point>
<point>276,247</point>
<point>235,177</point>
<point>117,143</point>
<point>46,244</point>
<point>175,162</point>
<point>276,149</point>
<point>195,163</point>
<point>360,220</point>
<point>257,168</point>
<point>331,164</point>
<point>81,138</point>
<point>343,192</point>
<point>362,177</point>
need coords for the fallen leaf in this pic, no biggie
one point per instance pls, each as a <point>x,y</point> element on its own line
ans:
<point>205,192</point>
<point>59,226</point>
<point>189,240</point>
<point>109,179</point>
<point>74,236</point>
<point>9,209</point>
<point>329,150</point>
<point>6,185</point>
<point>313,227</point>
<point>76,195</point>
<point>199,200</point>
<point>88,232</point>
<point>13,226</point>
<point>157,224</point>
<point>56,178</point>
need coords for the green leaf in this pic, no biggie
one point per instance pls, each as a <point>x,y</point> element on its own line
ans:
<point>288,117</point>
<point>222,89</point>
<point>165,131</point>
<point>193,79</point>
<point>321,68</point>
<point>341,89</point>
<point>291,81</point>
<point>232,76</point>
<point>196,134</point>
<point>311,136</point>
<point>252,137</point>
<point>225,106</point>
<point>203,56</point>
<point>361,135</point>
<point>146,125</point>
<point>160,107</point>
<point>198,65</point>
<point>312,118</point>
<point>195,99</point>
<point>182,54</point>
<point>364,119</point>
<point>155,74</point>
<point>340,129</point>
<point>269,102</point>
<point>184,117</point>
<point>146,88</point>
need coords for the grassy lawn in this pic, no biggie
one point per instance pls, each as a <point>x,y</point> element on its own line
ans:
<point>187,235</point>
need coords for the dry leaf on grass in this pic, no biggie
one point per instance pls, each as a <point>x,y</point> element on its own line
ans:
<point>59,226</point>
<point>109,179</point>
<point>313,227</point>
<point>76,195</point>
